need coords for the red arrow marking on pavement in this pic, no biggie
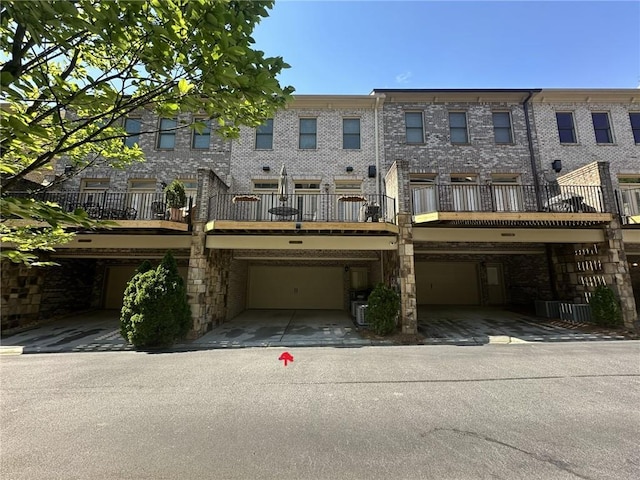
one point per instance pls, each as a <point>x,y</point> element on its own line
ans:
<point>286,356</point>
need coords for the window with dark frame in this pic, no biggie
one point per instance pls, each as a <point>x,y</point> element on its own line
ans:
<point>264,135</point>
<point>308,131</point>
<point>132,127</point>
<point>202,139</point>
<point>167,133</point>
<point>502,127</point>
<point>458,127</point>
<point>566,129</point>
<point>634,118</point>
<point>602,127</point>
<point>414,127</point>
<point>351,133</point>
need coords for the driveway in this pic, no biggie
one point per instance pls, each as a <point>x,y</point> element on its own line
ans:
<point>480,325</point>
<point>99,331</point>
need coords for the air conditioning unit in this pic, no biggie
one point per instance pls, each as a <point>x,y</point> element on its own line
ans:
<point>361,315</point>
<point>575,312</point>
<point>354,306</point>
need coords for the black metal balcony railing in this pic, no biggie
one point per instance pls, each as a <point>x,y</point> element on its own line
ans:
<point>302,207</point>
<point>115,205</point>
<point>506,198</point>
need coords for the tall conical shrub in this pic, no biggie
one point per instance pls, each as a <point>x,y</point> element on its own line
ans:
<point>155,311</point>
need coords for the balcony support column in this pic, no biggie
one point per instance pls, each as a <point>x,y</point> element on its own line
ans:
<point>206,283</point>
<point>407,276</point>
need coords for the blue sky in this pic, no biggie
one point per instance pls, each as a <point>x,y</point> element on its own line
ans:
<point>351,47</point>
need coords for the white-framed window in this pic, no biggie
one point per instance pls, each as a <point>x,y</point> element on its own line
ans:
<point>630,193</point>
<point>132,126</point>
<point>566,127</point>
<point>502,127</point>
<point>602,127</point>
<point>507,193</point>
<point>308,133</point>
<point>264,135</point>
<point>351,133</point>
<point>458,127</point>
<point>464,189</point>
<point>423,193</point>
<point>201,136</point>
<point>94,184</point>
<point>190,188</point>
<point>414,127</point>
<point>307,194</point>
<point>348,211</point>
<point>167,134</point>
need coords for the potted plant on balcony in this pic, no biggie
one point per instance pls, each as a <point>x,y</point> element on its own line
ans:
<point>176,200</point>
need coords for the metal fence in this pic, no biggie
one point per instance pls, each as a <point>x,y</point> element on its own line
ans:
<point>506,198</point>
<point>115,205</point>
<point>270,207</point>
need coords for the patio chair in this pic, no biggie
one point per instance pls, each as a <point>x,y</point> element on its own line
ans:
<point>159,210</point>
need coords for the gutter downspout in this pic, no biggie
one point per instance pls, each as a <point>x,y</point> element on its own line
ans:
<point>536,184</point>
<point>377,147</point>
<point>534,167</point>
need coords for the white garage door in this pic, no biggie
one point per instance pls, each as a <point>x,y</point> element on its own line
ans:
<point>295,287</point>
<point>447,283</point>
<point>117,279</point>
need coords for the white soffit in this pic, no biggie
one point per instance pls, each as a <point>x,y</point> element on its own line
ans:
<point>301,242</point>
<point>505,235</point>
<point>128,241</point>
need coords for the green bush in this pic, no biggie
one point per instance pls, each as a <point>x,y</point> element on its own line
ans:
<point>155,312</point>
<point>605,308</point>
<point>175,194</point>
<point>382,310</point>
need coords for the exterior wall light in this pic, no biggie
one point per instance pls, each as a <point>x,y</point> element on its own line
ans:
<point>266,168</point>
<point>556,165</point>
<point>349,169</point>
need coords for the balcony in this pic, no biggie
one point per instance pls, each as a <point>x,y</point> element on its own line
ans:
<point>127,209</point>
<point>497,203</point>
<point>308,211</point>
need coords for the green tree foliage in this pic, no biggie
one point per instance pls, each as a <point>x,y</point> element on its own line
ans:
<point>605,308</point>
<point>155,312</point>
<point>382,310</point>
<point>176,197</point>
<point>74,70</point>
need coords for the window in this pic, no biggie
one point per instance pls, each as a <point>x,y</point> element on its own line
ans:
<point>602,128</point>
<point>267,190</point>
<point>630,193</point>
<point>190,188</point>
<point>566,130</point>
<point>458,127</point>
<point>132,126</point>
<point>308,129</point>
<point>167,133</point>
<point>95,184</point>
<point>264,135</point>
<point>351,133</point>
<point>142,196</point>
<point>634,118</point>
<point>423,193</point>
<point>502,127</point>
<point>413,126</point>
<point>92,193</point>
<point>201,135</point>
<point>465,193</point>
<point>507,193</point>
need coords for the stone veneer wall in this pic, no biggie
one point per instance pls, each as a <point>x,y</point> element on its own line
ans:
<point>407,276</point>
<point>238,278</point>
<point>20,294</point>
<point>592,174</point>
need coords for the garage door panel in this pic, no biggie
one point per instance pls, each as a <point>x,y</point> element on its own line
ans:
<point>295,287</point>
<point>447,283</point>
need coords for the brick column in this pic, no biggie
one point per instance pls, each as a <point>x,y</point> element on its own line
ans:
<point>407,277</point>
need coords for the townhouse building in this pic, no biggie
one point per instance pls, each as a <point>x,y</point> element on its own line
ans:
<point>454,197</point>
